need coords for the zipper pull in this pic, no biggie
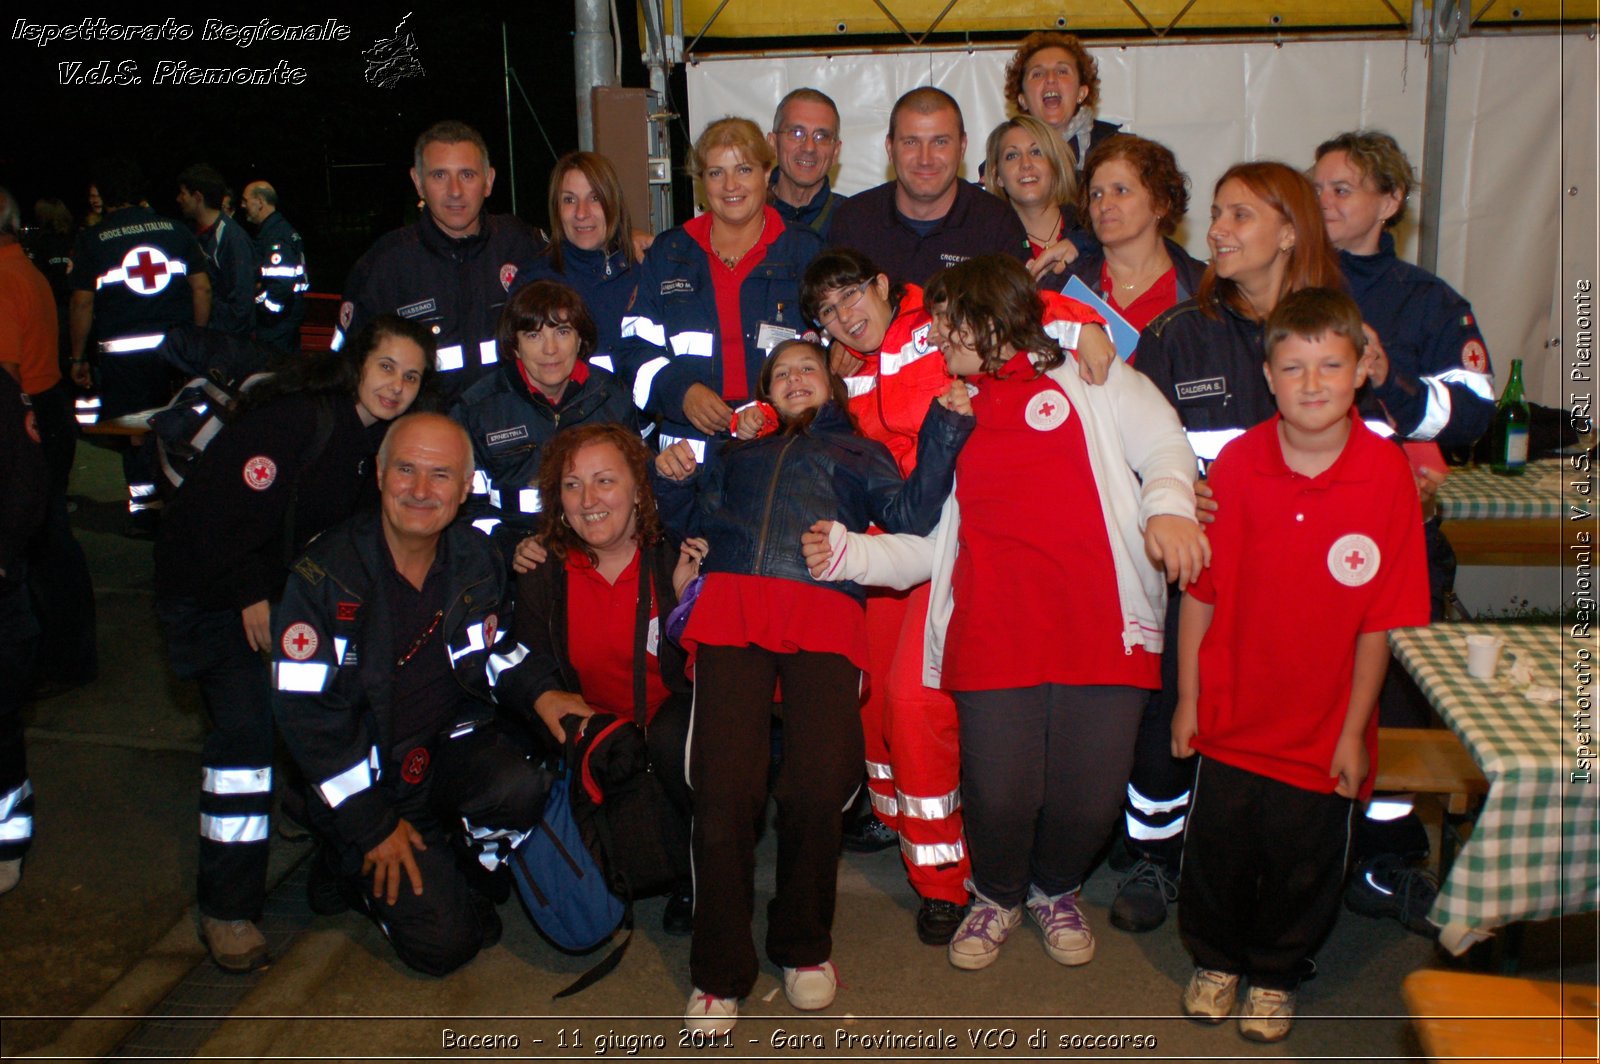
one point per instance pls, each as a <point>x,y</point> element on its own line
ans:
<point>780,314</point>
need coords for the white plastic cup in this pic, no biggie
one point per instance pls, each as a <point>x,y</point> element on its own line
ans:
<point>1483,655</point>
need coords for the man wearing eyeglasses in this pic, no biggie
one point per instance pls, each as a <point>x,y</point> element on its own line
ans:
<point>805,134</point>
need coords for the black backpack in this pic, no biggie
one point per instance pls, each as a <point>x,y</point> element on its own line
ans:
<point>220,369</point>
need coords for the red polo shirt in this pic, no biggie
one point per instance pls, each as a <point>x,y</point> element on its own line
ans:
<point>600,617</point>
<point>1300,567</point>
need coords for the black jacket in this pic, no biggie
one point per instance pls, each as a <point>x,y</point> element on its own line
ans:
<point>281,294</point>
<point>755,503</point>
<point>333,665</point>
<point>541,627</point>
<point>977,224</point>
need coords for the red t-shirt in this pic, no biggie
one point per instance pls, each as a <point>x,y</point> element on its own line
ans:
<point>725,284</point>
<point>783,616</point>
<point>1159,298</point>
<point>1300,566</point>
<point>600,619</point>
<point>1035,587</point>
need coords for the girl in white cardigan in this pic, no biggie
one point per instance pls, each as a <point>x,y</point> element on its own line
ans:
<point>1073,506</point>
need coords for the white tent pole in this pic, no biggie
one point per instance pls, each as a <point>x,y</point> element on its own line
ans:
<point>1441,41</point>
<point>592,51</point>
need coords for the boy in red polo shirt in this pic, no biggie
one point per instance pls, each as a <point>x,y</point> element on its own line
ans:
<point>1316,552</point>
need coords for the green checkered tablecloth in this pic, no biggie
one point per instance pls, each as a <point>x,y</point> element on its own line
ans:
<point>1470,494</point>
<point>1535,850</point>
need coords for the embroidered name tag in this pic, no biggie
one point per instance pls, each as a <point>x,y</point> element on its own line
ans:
<point>494,439</point>
<point>673,285</point>
<point>1203,389</point>
<point>417,310</point>
<point>951,259</point>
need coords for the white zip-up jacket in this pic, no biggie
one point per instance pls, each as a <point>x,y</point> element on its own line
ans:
<point>1143,468</point>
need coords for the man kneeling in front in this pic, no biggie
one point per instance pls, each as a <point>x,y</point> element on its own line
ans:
<point>389,638</point>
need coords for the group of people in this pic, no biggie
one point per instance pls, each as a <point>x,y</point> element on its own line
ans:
<point>915,502</point>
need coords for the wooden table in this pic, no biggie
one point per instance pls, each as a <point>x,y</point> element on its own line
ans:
<point>1535,850</point>
<point>1464,1017</point>
<point>1525,520</point>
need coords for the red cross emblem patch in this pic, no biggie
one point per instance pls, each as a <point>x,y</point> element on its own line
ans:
<point>260,472</point>
<point>491,625</point>
<point>508,273</point>
<point>414,766</point>
<point>1047,410</point>
<point>347,310</point>
<point>146,270</point>
<point>1353,559</point>
<point>300,641</point>
<point>1474,357</point>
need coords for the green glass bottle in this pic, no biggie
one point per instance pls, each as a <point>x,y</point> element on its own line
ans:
<point>1508,435</point>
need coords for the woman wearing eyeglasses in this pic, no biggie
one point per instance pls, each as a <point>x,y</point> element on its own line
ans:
<point>805,135</point>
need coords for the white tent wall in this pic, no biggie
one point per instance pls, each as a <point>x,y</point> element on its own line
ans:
<point>1503,184</point>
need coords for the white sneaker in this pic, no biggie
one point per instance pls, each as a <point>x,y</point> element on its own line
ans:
<point>812,987</point>
<point>1267,1015</point>
<point>986,926</point>
<point>709,1014</point>
<point>1067,937</point>
<point>1210,995</point>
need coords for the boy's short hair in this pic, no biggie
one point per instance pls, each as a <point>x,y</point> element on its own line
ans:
<point>1315,312</point>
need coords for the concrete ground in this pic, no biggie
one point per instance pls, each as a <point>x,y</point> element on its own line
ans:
<point>101,930</point>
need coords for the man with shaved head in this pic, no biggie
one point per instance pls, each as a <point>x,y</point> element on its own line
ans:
<point>280,291</point>
<point>388,641</point>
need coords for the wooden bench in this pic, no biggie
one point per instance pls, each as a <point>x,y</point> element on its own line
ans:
<point>1431,761</point>
<point>1460,1016</point>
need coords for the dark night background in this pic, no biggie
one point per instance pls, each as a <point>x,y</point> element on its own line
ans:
<point>336,148</point>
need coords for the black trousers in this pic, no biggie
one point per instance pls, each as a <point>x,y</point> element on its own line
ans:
<point>58,578</point>
<point>1158,786</point>
<point>1263,870</point>
<point>729,752</point>
<point>19,635</point>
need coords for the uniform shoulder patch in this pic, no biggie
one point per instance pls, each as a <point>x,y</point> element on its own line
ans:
<point>299,641</point>
<point>508,273</point>
<point>309,571</point>
<point>260,472</point>
<point>1475,356</point>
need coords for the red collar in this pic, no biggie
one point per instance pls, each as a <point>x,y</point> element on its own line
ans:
<point>580,373</point>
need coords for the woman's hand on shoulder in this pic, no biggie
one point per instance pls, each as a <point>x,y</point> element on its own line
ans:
<point>529,555</point>
<point>814,546</point>
<point>551,706</point>
<point>690,555</point>
<point>677,461</point>
<point>957,399</point>
<point>1053,259</point>
<point>1178,545</point>
<point>1095,353</point>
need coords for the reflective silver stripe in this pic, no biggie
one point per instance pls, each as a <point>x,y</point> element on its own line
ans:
<point>13,798</point>
<point>929,808</point>
<point>488,352</point>
<point>16,829</point>
<point>1390,808</point>
<point>123,344</point>
<point>1380,428</point>
<point>644,329</point>
<point>237,781</point>
<point>282,271</point>
<point>118,275</point>
<point>486,525</point>
<point>697,446</point>
<point>474,642</point>
<point>1137,829</point>
<point>495,843</point>
<point>140,491</point>
<point>879,770</point>
<point>340,644</point>
<point>692,342</point>
<point>269,304</point>
<point>494,498</point>
<point>528,500</point>
<point>884,804</point>
<point>855,386</point>
<point>930,854</point>
<point>337,341</point>
<point>450,358</point>
<point>480,482</point>
<point>1208,443</point>
<point>1065,333</point>
<point>1151,807</point>
<point>646,377</point>
<point>499,663</point>
<point>604,362</point>
<point>1436,412</point>
<point>350,782</point>
<point>301,677</point>
<point>1478,383</point>
<point>87,411</point>
<point>233,829</point>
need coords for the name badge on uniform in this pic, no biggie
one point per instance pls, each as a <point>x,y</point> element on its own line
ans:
<point>771,335</point>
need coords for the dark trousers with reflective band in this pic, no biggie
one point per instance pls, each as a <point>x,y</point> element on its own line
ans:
<point>131,382</point>
<point>209,647</point>
<point>18,639</point>
<point>58,577</point>
<point>1158,786</point>
<point>482,777</point>
<point>729,751</point>
<point>1263,871</point>
<point>1042,776</point>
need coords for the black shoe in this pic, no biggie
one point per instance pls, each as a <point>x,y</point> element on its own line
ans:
<point>869,835</point>
<point>1143,897</point>
<point>938,919</point>
<point>1123,856</point>
<point>327,892</point>
<point>678,919</point>
<point>145,524</point>
<point>488,920</point>
<point>1390,885</point>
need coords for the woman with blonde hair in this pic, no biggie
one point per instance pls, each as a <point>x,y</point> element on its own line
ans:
<point>716,293</point>
<point>1027,165</point>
